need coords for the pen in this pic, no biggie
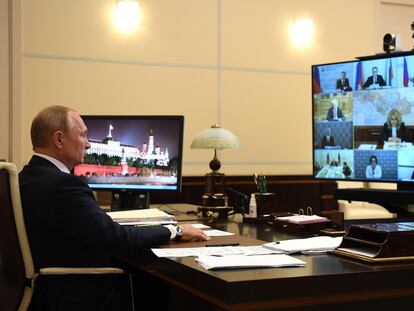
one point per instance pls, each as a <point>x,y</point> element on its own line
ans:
<point>256,180</point>
<point>222,244</point>
<point>264,184</point>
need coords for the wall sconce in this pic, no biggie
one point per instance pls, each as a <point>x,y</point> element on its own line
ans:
<point>216,138</point>
<point>301,32</point>
<point>127,15</point>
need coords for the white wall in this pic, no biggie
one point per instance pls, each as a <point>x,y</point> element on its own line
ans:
<point>225,61</point>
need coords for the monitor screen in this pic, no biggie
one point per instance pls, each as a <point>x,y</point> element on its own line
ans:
<point>133,153</point>
<point>363,119</point>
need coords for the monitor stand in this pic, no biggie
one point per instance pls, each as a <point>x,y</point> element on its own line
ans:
<point>128,200</point>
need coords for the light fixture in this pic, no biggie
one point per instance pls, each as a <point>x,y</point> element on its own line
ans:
<point>127,15</point>
<point>216,138</point>
<point>301,32</point>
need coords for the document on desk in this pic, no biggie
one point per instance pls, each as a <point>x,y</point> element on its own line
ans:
<point>200,226</point>
<point>215,232</point>
<point>303,219</point>
<point>314,245</point>
<point>149,216</point>
<point>242,261</point>
<point>367,147</point>
<point>215,251</point>
<point>148,223</point>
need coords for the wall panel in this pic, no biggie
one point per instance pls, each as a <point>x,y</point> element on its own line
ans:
<point>226,61</point>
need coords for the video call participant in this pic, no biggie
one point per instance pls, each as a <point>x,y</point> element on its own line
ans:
<point>67,228</point>
<point>373,170</point>
<point>394,129</point>
<point>342,84</point>
<point>327,140</point>
<point>335,113</point>
<point>346,170</point>
<point>375,80</point>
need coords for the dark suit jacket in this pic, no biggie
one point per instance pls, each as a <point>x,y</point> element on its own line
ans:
<point>67,228</point>
<point>370,81</point>
<point>386,133</point>
<point>330,114</point>
<point>343,86</point>
<point>325,141</point>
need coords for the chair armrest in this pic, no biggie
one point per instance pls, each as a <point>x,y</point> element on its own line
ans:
<point>65,270</point>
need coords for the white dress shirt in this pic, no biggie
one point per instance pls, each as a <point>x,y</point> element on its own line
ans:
<point>393,132</point>
<point>373,173</point>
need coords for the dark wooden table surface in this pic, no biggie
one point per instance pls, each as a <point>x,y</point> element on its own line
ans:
<point>326,282</point>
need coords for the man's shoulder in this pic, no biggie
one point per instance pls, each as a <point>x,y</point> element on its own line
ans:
<point>49,174</point>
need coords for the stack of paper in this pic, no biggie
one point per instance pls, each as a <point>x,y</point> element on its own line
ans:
<point>214,232</point>
<point>304,219</point>
<point>150,216</point>
<point>214,251</point>
<point>312,245</point>
<point>241,261</point>
<point>367,147</point>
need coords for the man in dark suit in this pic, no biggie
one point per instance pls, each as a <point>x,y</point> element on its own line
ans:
<point>334,112</point>
<point>327,140</point>
<point>67,228</point>
<point>342,84</point>
<point>375,80</point>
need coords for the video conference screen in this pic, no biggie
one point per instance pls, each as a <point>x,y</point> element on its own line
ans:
<point>363,119</point>
<point>133,153</point>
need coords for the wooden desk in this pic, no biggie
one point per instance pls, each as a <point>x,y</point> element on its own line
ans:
<point>326,282</point>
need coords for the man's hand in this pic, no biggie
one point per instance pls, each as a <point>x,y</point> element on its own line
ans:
<point>193,234</point>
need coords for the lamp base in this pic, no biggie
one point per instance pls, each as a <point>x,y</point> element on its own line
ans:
<point>214,183</point>
<point>207,211</point>
<point>214,190</point>
<point>217,199</point>
<point>214,199</point>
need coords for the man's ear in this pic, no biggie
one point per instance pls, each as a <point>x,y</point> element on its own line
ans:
<point>58,139</point>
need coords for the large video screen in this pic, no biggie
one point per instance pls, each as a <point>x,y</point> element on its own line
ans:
<point>363,119</point>
<point>141,153</point>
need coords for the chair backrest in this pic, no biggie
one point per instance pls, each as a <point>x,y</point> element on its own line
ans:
<point>16,263</point>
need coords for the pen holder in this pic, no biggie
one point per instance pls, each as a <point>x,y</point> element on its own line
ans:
<point>265,203</point>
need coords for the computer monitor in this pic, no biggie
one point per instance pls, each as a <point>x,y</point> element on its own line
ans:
<point>133,156</point>
<point>363,119</point>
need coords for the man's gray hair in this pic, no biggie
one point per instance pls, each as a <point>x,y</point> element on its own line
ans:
<point>48,121</point>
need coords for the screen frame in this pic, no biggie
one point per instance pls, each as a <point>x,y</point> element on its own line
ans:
<point>393,55</point>
<point>178,118</point>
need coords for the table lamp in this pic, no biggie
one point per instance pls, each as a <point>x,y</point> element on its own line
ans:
<point>216,138</point>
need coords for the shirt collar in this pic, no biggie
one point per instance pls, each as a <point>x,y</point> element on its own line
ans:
<point>56,162</point>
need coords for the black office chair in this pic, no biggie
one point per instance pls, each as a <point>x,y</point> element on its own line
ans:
<point>17,271</point>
